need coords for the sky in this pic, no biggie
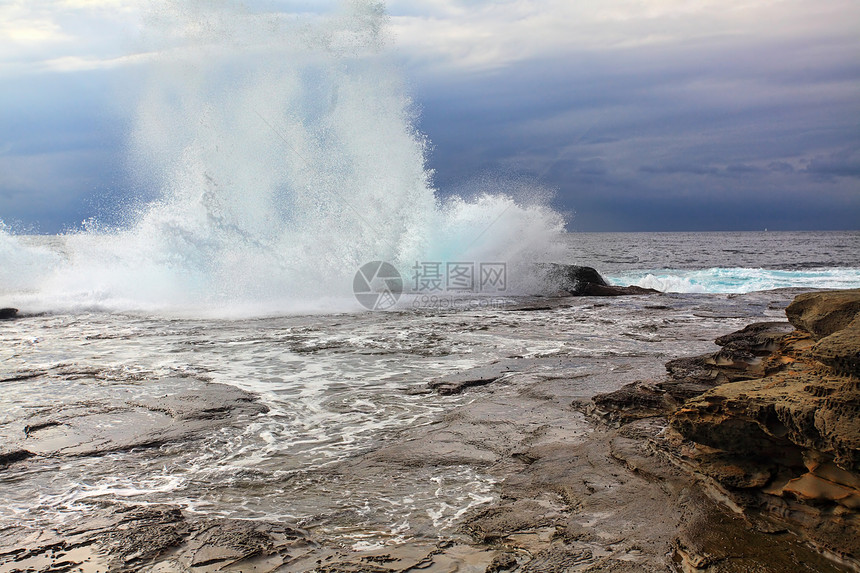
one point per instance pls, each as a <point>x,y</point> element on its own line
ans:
<point>640,115</point>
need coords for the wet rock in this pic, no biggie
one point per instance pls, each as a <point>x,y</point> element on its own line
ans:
<point>134,538</point>
<point>98,427</point>
<point>8,313</point>
<point>614,290</point>
<point>571,278</point>
<point>143,534</point>
<point>713,541</point>
<point>459,381</point>
<point>584,281</point>
<point>11,455</point>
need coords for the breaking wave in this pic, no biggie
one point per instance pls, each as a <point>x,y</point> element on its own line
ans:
<point>284,156</point>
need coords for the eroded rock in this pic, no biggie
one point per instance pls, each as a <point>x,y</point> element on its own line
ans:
<point>772,422</point>
<point>823,313</point>
<point>154,538</point>
<point>787,440</point>
<point>743,356</point>
<point>841,350</point>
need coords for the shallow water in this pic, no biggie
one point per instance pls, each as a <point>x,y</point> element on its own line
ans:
<point>341,385</point>
<point>337,386</point>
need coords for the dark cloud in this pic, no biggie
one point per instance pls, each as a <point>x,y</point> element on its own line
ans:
<point>721,132</point>
<point>780,167</point>
<point>678,168</point>
<point>845,163</point>
<point>706,136</point>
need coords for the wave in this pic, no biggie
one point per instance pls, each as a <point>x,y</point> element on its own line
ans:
<point>739,280</point>
<point>284,154</point>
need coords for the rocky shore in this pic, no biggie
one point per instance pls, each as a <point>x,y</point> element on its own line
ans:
<point>745,459</point>
<point>769,424</point>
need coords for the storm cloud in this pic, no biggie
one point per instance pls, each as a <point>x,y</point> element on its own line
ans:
<point>659,115</point>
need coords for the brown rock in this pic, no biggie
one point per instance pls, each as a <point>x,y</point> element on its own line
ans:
<point>823,313</point>
<point>812,487</point>
<point>740,358</point>
<point>841,350</point>
<point>787,441</point>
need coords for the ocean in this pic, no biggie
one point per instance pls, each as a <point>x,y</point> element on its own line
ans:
<point>341,385</point>
<point>254,339</point>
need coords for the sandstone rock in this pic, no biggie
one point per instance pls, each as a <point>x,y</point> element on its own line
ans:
<point>773,419</point>
<point>812,487</point>
<point>841,350</point>
<point>783,436</point>
<point>741,358</point>
<point>823,313</point>
<point>777,417</point>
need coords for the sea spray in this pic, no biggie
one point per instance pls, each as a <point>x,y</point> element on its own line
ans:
<point>283,152</point>
<point>25,262</point>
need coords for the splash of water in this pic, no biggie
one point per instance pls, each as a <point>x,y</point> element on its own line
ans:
<point>285,156</point>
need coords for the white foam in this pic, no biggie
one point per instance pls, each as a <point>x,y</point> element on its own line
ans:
<point>739,280</point>
<point>285,157</point>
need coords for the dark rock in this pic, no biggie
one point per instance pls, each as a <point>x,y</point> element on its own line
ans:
<point>10,456</point>
<point>456,383</point>
<point>760,338</point>
<point>714,541</point>
<point>693,368</point>
<point>591,289</point>
<point>633,401</point>
<point>502,562</point>
<point>572,277</point>
<point>480,376</point>
<point>583,281</point>
<point>7,313</point>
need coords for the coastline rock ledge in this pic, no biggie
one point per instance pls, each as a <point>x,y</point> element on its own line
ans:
<point>771,422</point>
